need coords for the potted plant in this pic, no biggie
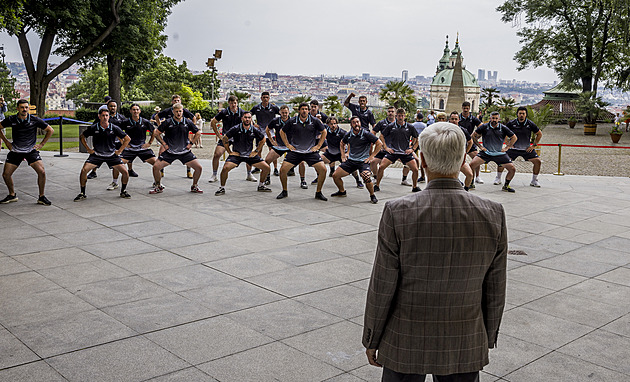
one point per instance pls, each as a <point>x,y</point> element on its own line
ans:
<point>572,121</point>
<point>590,108</point>
<point>615,133</point>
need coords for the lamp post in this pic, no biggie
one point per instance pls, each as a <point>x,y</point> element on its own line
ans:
<point>211,64</point>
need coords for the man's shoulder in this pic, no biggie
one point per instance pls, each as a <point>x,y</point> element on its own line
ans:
<point>431,197</point>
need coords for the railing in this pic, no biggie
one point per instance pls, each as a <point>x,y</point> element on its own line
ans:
<point>60,119</point>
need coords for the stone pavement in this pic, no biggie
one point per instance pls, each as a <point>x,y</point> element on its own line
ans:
<point>188,287</point>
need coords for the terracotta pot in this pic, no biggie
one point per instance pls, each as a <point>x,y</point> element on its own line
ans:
<point>590,128</point>
<point>572,124</point>
<point>615,137</point>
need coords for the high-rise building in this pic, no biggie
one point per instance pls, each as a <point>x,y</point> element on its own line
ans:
<point>405,75</point>
<point>492,76</point>
<point>481,74</point>
<point>365,77</point>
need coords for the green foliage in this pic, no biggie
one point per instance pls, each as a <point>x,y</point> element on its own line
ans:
<point>11,15</point>
<point>240,96</point>
<point>296,101</point>
<point>203,83</point>
<point>332,105</point>
<point>489,95</point>
<point>400,95</point>
<point>541,117</point>
<point>92,87</point>
<point>86,115</point>
<point>7,86</point>
<point>507,109</point>
<point>590,106</point>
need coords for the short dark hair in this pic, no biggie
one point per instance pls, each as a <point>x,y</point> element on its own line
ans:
<point>400,110</point>
<point>264,94</point>
<point>175,96</point>
<point>420,116</point>
<point>21,101</point>
<point>100,111</point>
<point>284,107</point>
<point>363,97</point>
<point>454,112</point>
<point>331,118</point>
<point>465,103</point>
<point>232,98</point>
<point>391,107</point>
<point>522,108</point>
<point>135,104</point>
<point>112,100</point>
<point>246,112</point>
<point>302,105</point>
<point>314,102</point>
<point>353,117</point>
<point>495,113</point>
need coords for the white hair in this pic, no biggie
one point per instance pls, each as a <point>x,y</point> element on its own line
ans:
<point>443,146</point>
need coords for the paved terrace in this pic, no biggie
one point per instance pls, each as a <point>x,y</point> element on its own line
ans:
<point>183,287</point>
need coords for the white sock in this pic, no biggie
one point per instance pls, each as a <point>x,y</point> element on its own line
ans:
<point>498,175</point>
<point>260,184</point>
<point>534,177</point>
<point>115,181</point>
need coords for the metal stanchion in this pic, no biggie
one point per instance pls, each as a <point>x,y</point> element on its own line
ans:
<point>61,154</point>
<point>559,160</point>
<point>485,168</point>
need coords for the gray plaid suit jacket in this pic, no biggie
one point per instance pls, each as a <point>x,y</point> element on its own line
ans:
<point>437,290</point>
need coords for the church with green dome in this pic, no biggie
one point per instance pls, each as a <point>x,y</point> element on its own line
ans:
<point>453,84</point>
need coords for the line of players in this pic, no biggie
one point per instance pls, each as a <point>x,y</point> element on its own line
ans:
<point>300,138</point>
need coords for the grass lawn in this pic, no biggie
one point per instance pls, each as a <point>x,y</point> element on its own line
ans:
<point>69,131</point>
<point>54,146</point>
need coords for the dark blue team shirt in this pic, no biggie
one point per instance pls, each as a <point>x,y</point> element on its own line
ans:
<point>24,132</point>
<point>381,125</point>
<point>229,118</point>
<point>469,123</point>
<point>168,113</point>
<point>176,134</point>
<point>365,116</point>
<point>323,116</point>
<point>493,137</point>
<point>360,144</point>
<point>243,139</point>
<point>264,115</point>
<point>104,139</point>
<point>276,125</point>
<point>303,135</point>
<point>397,136</point>
<point>333,139</point>
<point>137,131</point>
<point>523,132</point>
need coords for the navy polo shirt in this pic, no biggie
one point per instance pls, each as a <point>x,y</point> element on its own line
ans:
<point>381,125</point>
<point>324,117</point>
<point>468,136</point>
<point>493,137</point>
<point>523,132</point>
<point>24,132</point>
<point>168,113</point>
<point>333,139</point>
<point>399,136</point>
<point>137,131</point>
<point>229,118</point>
<point>365,116</point>
<point>469,123</point>
<point>360,144</point>
<point>104,139</point>
<point>303,135</point>
<point>242,138</point>
<point>264,115</point>
<point>276,125</point>
<point>176,134</point>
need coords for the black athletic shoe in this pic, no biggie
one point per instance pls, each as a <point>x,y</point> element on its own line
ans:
<point>421,180</point>
<point>220,191</point>
<point>133,174</point>
<point>92,175</point>
<point>125,195</point>
<point>360,184</point>
<point>320,196</point>
<point>303,185</point>
<point>282,195</point>
<point>268,180</point>
<point>508,189</point>
<point>43,201</point>
<point>276,172</point>
<point>81,197</point>
<point>291,172</point>
<point>263,189</point>
<point>373,199</point>
<point>339,193</point>
<point>256,170</point>
<point>416,189</point>
<point>376,188</point>
<point>9,199</point>
<point>314,181</point>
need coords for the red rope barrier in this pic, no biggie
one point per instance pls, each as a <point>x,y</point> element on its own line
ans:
<point>587,146</point>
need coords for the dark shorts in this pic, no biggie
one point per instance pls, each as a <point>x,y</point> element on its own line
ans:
<point>269,144</point>
<point>515,153</point>
<point>220,143</point>
<point>99,160</point>
<point>381,154</point>
<point>170,158</point>
<point>351,166</point>
<point>473,148</point>
<point>279,151</point>
<point>332,157</point>
<point>239,159</point>
<point>17,158</point>
<point>144,155</point>
<point>297,158</point>
<point>498,159</point>
<point>404,158</point>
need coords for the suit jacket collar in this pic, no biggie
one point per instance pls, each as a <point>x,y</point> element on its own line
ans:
<point>444,183</point>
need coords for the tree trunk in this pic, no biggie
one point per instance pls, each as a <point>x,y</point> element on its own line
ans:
<point>114,68</point>
<point>587,84</point>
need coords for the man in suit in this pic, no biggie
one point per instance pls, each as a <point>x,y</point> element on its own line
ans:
<point>437,290</point>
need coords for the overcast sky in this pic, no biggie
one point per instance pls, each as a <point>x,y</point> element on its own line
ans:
<point>336,37</point>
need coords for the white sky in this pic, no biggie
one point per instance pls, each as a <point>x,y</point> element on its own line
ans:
<point>336,37</point>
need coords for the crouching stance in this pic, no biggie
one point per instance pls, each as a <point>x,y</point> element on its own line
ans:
<point>363,146</point>
<point>243,136</point>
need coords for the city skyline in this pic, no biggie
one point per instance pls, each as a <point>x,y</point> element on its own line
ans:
<point>415,35</point>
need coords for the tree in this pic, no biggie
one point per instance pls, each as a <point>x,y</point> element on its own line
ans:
<point>297,100</point>
<point>575,38</point>
<point>333,106</point>
<point>58,23</point>
<point>11,16</point>
<point>91,87</point>
<point>399,95</point>
<point>489,95</point>
<point>203,83</point>
<point>506,108</point>
<point>7,84</point>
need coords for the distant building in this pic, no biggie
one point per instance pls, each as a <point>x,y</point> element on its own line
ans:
<point>405,75</point>
<point>492,76</point>
<point>271,76</point>
<point>453,84</point>
<point>481,74</point>
<point>365,77</point>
